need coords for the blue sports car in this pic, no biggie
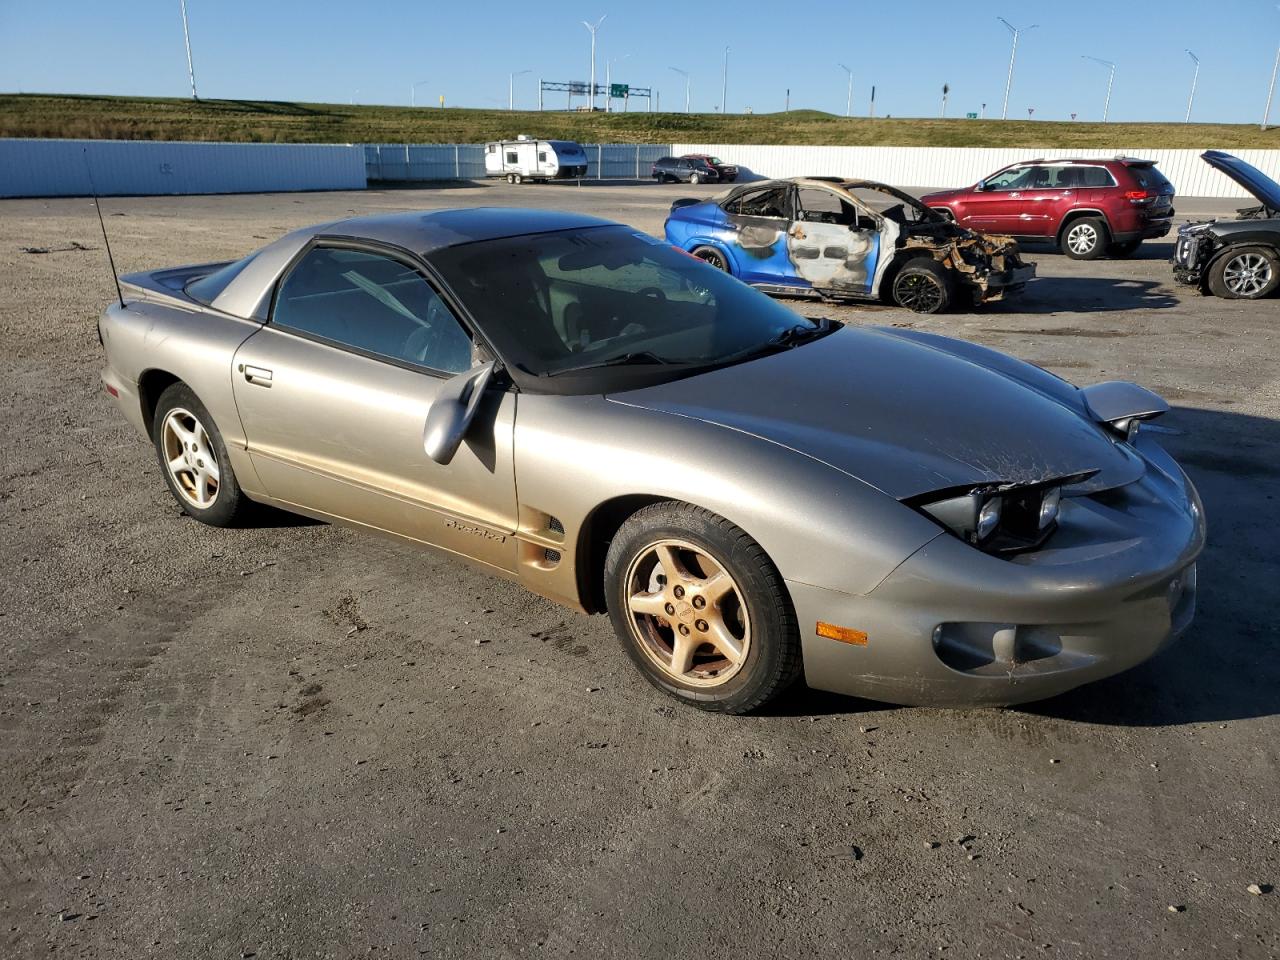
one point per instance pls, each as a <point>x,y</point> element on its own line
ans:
<point>857,239</point>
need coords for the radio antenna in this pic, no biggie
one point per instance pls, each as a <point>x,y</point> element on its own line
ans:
<point>102,223</point>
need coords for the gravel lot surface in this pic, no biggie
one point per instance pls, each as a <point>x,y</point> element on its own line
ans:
<point>299,741</point>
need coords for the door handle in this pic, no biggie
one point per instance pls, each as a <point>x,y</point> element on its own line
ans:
<point>259,375</point>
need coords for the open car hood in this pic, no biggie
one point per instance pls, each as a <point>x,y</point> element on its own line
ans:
<point>905,415</point>
<point>1248,176</point>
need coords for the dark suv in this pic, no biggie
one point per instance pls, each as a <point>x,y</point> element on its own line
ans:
<point>1086,207</point>
<point>688,169</point>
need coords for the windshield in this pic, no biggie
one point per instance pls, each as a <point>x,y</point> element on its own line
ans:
<point>890,203</point>
<point>560,306</point>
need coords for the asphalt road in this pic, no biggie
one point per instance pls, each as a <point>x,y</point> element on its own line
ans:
<point>299,741</point>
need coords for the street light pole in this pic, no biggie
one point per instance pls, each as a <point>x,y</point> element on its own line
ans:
<point>1266,113</point>
<point>724,81</point>
<point>1194,77</point>
<point>511,87</point>
<point>848,97</point>
<point>608,82</point>
<point>592,28</point>
<point>186,36</point>
<point>685,74</point>
<point>1013,54</point>
<point>1106,107</point>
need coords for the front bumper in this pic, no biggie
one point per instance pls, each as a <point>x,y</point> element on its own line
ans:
<point>1188,259</point>
<point>1005,283</point>
<point>952,626</point>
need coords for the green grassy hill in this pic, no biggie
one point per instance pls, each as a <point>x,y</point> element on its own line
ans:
<point>143,118</point>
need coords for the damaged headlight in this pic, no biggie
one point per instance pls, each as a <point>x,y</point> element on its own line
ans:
<point>999,519</point>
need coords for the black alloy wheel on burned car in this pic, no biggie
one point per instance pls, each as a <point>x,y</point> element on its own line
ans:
<point>922,286</point>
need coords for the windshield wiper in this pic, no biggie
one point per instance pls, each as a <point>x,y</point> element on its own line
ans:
<point>636,358</point>
<point>791,337</point>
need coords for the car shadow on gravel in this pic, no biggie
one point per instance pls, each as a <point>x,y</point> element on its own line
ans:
<point>1226,667</point>
<point>1085,295</point>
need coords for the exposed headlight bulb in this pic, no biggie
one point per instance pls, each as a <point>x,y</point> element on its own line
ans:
<point>988,518</point>
<point>1049,506</point>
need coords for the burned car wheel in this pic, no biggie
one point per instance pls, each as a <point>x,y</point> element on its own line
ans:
<point>922,286</point>
<point>1249,273</point>
<point>194,459</point>
<point>1085,239</point>
<point>701,609</point>
<point>712,256</point>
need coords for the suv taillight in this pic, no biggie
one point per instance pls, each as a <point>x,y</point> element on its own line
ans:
<point>1137,196</point>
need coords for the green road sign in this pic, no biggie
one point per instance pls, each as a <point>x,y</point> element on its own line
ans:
<point>619,91</point>
<point>971,116</point>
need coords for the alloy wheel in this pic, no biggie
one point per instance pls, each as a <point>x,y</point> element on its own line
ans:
<point>1247,275</point>
<point>919,293</point>
<point>1082,238</point>
<point>189,458</point>
<point>687,613</point>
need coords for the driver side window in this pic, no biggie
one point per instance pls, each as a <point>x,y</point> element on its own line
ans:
<point>373,304</point>
<point>1019,178</point>
<point>770,202</point>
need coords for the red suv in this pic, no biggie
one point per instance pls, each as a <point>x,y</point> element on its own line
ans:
<point>1086,207</point>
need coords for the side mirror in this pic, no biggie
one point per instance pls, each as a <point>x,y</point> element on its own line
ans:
<point>452,411</point>
<point>980,186</point>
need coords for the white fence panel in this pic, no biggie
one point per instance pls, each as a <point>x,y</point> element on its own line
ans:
<point>57,168</point>
<point>961,166</point>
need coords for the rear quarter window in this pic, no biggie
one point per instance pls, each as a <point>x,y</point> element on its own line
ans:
<point>1096,177</point>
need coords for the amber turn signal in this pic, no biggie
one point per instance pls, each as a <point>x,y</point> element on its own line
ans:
<point>843,634</point>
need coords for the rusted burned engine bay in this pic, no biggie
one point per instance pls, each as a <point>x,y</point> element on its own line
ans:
<point>973,257</point>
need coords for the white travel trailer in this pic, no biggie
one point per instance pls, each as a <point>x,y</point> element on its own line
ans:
<point>527,159</point>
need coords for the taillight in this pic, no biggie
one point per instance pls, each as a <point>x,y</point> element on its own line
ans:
<point>1136,195</point>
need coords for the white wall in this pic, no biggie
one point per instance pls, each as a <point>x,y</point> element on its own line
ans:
<point>961,166</point>
<point>56,168</point>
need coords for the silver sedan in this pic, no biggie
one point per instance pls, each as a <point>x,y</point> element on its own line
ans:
<point>751,497</point>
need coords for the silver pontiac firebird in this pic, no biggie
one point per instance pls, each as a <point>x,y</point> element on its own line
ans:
<point>621,428</point>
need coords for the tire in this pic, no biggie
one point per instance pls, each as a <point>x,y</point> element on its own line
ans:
<point>1247,273</point>
<point>1126,248</point>
<point>945,213</point>
<point>1085,239</point>
<point>181,420</point>
<point>712,256</point>
<point>922,286</point>
<point>511,178</point>
<point>517,178</point>
<point>695,178</point>
<point>731,179</point>
<point>741,646</point>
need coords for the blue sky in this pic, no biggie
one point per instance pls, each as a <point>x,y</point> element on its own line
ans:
<point>331,51</point>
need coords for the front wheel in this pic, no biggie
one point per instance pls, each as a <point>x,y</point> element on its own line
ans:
<point>700,609</point>
<point>1249,273</point>
<point>194,459</point>
<point>922,286</point>
<point>1085,239</point>
<point>694,178</point>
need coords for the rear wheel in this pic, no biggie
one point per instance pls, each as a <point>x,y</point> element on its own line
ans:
<point>712,256</point>
<point>194,459</point>
<point>700,608</point>
<point>1124,248</point>
<point>517,178</point>
<point>1249,273</point>
<point>1085,239</point>
<point>695,178</point>
<point>922,286</point>
<point>511,178</point>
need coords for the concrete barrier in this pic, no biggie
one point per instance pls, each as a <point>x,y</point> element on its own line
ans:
<point>57,168</point>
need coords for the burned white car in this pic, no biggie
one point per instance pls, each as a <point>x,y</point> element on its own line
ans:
<point>847,239</point>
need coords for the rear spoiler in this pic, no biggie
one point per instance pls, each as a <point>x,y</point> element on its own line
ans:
<point>684,202</point>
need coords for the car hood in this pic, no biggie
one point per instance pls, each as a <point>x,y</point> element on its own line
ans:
<point>904,416</point>
<point>1248,176</point>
